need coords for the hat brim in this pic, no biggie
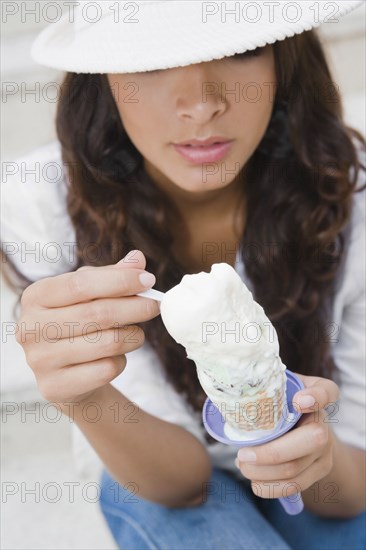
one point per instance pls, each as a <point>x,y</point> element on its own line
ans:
<point>172,33</point>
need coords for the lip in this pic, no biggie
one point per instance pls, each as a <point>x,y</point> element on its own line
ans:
<point>198,151</point>
<point>204,142</point>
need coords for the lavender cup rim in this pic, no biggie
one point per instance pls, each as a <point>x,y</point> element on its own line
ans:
<point>214,421</point>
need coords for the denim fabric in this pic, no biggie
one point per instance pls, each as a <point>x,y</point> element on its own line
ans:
<point>231,518</point>
<point>309,532</point>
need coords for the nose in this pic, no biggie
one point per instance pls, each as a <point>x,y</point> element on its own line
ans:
<point>199,97</point>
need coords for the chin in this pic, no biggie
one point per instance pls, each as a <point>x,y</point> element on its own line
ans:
<point>200,187</point>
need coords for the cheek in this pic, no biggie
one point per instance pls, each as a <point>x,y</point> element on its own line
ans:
<point>143,114</point>
<point>146,128</point>
<point>140,122</point>
<point>251,115</point>
<point>254,101</point>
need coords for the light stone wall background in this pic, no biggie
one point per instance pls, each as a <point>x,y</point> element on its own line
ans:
<point>34,449</point>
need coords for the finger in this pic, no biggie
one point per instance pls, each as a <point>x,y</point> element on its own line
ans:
<point>318,417</point>
<point>286,470</point>
<point>70,321</point>
<point>89,347</point>
<point>318,393</point>
<point>83,286</point>
<point>68,383</point>
<point>135,259</point>
<point>288,487</point>
<point>297,443</point>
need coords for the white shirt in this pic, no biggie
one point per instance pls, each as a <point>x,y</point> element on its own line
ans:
<point>38,234</point>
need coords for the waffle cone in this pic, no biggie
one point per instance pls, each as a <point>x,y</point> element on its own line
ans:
<point>258,412</point>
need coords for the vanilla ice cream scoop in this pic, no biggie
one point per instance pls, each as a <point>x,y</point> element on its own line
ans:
<point>232,342</point>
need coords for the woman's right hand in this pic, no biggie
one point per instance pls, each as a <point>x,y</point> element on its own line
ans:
<point>76,328</point>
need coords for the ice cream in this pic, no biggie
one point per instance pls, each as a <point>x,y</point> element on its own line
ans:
<point>234,346</point>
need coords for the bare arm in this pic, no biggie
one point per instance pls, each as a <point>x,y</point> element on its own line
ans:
<point>167,463</point>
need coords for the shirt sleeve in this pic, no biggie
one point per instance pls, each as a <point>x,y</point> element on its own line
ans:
<point>36,231</point>
<point>347,416</point>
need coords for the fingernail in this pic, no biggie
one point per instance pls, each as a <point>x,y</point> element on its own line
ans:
<point>147,279</point>
<point>306,401</point>
<point>247,456</point>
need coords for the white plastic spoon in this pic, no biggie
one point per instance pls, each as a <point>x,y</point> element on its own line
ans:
<point>153,294</point>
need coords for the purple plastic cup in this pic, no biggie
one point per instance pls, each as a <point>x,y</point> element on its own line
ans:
<point>215,423</point>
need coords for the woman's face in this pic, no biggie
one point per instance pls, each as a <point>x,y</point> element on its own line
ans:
<point>230,99</point>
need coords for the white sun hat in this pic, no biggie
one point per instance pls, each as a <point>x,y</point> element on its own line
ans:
<point>135,36</point>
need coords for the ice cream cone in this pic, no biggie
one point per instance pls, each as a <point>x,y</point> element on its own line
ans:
<point>259,408</point>
<point>260,412</point>
<point>234,346</point>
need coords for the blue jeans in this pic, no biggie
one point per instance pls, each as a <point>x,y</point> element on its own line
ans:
<point>231,518</point>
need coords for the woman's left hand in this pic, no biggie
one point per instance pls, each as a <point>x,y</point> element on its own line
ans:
<point>304,455</point>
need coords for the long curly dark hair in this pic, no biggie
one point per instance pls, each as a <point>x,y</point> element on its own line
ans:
<point>298,191</point>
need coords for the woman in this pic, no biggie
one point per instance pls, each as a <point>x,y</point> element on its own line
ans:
<point>178,158</point>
